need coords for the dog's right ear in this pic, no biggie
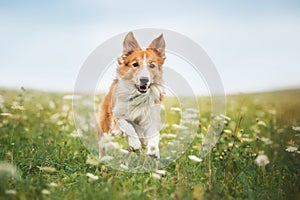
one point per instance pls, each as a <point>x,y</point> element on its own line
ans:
<point>130,44</point>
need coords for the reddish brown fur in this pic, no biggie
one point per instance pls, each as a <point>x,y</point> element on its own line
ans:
<point>105,115</point>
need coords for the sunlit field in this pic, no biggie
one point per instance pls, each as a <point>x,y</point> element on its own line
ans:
<point>257,155</point>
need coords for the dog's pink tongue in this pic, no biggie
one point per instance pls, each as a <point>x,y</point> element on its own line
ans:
<point>143,89</point>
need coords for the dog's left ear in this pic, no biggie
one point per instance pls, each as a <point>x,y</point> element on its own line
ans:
<point>130,44</point>
<point>158,44</point>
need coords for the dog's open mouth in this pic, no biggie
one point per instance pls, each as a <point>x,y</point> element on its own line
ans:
<point>142,88</point>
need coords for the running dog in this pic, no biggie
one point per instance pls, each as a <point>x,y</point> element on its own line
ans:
<point>133,102</point>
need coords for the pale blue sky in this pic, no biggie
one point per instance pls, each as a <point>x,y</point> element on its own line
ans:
<point>255,45</point>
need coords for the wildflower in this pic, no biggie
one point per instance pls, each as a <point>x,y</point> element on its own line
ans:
<point>176,109</point>
<point>161,172</point>
<point>296,128</point>
<point>44,191</point>
<point>179,127</point>
<point>47,169</point>
<point>227,131</point>
<point>17,107</point>
<point>291,149</point>
<point>262,160</point>
<point>52,105</point>
<point>124,166</point>
<point>92,176</point>
<point>71,97</point>
<point>6,114</point>
<point>156,176</point>
<point>12,192</point>
<point>52,184</point>
<point>262,123</point>
<point>195,158</point>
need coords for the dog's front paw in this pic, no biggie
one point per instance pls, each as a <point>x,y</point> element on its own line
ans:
<point>134,144</point>
<point>153,151</point>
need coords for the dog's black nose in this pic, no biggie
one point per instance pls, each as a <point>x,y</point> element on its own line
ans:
<point>144,80</point>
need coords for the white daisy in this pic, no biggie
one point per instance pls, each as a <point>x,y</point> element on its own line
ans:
<point>44,191</point>
<point>227,131</point>
<point>291,149</point>
<point>52,184</point>
<point>262,123</point>
<point>195,158</point>
<point>262,160</point>
<point>156,176</point>
<point>296,128</point>
<point>6,114</point>
<point>92,176</point>
<point>161,172</point>
<point>12,192</point>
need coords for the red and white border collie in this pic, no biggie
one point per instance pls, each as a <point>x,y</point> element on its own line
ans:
<point>133,102</point>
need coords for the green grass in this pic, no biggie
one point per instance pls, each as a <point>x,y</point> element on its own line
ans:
<point>38,133</point>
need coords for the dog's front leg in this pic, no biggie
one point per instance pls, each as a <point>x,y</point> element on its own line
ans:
<point>152,145</point>
<point>152,133</point>
<point>134,142</point>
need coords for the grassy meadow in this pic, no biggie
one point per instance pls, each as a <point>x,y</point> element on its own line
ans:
<point>257,155</point>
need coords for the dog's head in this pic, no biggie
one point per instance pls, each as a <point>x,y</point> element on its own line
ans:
<point>142,67</point>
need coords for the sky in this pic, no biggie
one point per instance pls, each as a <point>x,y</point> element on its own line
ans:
<point>254,45</point>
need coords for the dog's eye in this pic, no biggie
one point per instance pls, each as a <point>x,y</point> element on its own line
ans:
<point>151,65</point>
<point>135,64</point>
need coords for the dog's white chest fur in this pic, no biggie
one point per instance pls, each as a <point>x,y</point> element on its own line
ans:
<point>134,106</point>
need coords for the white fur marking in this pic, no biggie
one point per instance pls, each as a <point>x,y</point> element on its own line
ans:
<point>144,72</point>
<point>145,61</point>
